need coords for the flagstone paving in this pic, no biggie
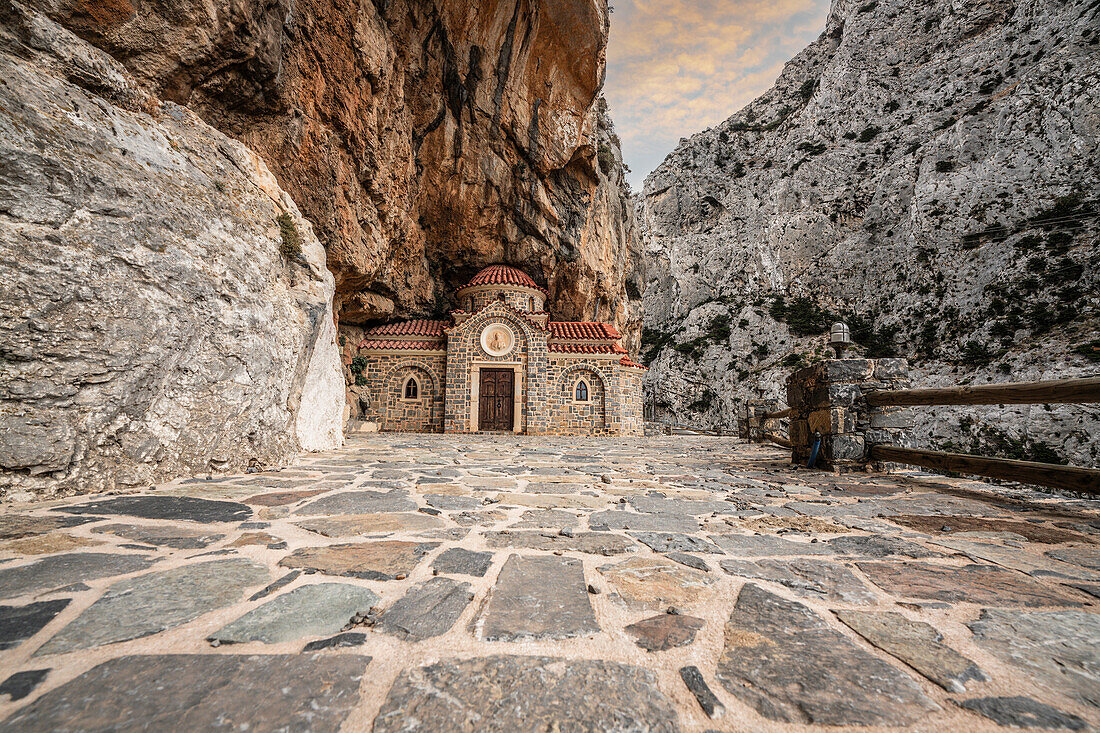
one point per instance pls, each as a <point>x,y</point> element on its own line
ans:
<point>501,583</point>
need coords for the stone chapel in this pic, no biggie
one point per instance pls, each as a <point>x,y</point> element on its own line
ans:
<point>499,364</point>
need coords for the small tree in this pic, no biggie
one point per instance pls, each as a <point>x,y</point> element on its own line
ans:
<point>292,241</point>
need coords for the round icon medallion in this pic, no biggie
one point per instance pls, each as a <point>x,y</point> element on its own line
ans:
<point>497,339</point>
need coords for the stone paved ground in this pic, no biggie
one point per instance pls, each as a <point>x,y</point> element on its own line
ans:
<point>422,583</point>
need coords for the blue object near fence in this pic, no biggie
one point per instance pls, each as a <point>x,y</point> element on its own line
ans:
<point>814,451</point>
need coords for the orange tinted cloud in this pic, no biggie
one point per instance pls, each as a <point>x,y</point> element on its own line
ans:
<point>675,67</point>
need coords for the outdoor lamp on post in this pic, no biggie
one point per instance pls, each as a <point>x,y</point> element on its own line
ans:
<point>840,338</point>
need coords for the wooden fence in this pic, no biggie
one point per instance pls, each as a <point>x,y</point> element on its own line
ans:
<point>1071,391</point>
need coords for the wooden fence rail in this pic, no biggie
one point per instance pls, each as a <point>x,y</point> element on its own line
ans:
<point>1077,391</point>
<point>777,439</point>
<point>1072,478</point>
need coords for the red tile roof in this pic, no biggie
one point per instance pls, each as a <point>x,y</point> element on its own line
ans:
<point>420,327</point>
<point>568,348</point>
<point>583,330</point>
<point>503,275</point>
<point>398,344</point>
<point>625,361</point>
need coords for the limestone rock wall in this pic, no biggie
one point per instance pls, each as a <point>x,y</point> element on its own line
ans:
<point>925,170</point>
<point>424,140</point>
<point>150,325</point>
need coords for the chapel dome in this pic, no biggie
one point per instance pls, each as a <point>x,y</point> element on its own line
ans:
<point>503,275</point>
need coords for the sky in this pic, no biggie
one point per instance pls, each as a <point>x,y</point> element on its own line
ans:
<point>676,67</point>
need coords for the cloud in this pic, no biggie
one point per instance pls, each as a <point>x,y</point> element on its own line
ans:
<point>675,67</point>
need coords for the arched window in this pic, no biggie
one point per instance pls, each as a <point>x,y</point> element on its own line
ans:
<point>580,392</point>
<point>412,389</point>
<point>531,304</point>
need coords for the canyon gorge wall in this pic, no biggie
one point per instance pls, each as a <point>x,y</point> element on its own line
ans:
<point>925,171</point>
<point>195,196</point>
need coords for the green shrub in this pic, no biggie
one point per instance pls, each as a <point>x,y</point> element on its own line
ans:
<point>877,343</point>
<point>994,442</point>
<point>1089,350</point>
<point>706,399</point>
<point>606,160</point>
<point>1041,317</point>
<point>1059,242</point>
<point>693,348</point>
<point>1037,264</point>
<point>292,241</point>
<point>778,309</point>
<point>976,354</point>
<point>794,360</point>
<point>990,84</point>
<point>869,133</point>
<point>1028,242</point>
<point>358,364</point>
<point>805,317</point>
<point>926,338</point>
<point>1001,329</point>
<point>719,328</point>
<point>656,341</point>
<point>1063,206</point>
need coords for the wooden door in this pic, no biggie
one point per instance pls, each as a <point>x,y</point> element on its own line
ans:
<point>496,399</point>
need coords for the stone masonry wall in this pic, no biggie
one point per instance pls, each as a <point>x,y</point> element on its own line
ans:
<point>386,375</point>
<point>569,417</point>
<point>631,408</point>
<point>522,300</point>
<point>827,398</point>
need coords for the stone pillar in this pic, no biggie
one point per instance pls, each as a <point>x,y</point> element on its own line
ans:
<point>827,398</point>
<point>752,426</point>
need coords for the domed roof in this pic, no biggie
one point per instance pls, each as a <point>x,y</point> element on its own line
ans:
<point>503,275</point>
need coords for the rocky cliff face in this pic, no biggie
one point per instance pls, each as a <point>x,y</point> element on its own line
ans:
<point>423,140</point>
<point>165,308</point>
<point>171,308</point>
<point>924,170</point>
